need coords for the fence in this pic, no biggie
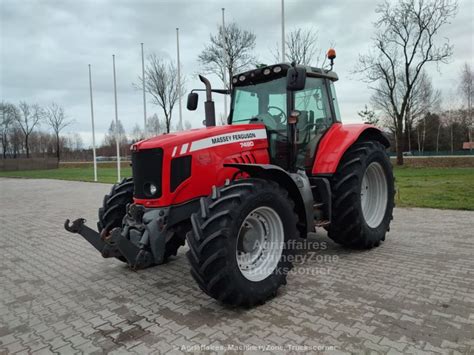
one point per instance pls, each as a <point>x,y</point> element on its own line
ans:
<point>466,161</point>
<point>28,164</point>
<point>442,153</point>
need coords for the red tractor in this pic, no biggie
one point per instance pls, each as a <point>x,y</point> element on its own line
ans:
<point>241,194</point>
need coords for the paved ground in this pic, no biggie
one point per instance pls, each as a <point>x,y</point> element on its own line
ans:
<point>414,294</point>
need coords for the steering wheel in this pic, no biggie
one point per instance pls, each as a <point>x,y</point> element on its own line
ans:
<point>280,118</point>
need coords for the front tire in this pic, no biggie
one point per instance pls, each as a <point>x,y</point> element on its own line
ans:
<point>363,196</point>
<point>239,249</point>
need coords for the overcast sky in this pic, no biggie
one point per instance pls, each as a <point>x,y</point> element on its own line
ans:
<point>45,47</point>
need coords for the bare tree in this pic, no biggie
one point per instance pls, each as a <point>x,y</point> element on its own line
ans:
<point>467,92</point>
<point>111,135</point>
<point>137,133</point>
<point>77,142</point>
<point>423,99</point>
<point>16,140</point>
<point>450,117</point>
<point>238,45</point>
<point>301,47</point>
<point>161,82</point>
<point>404,43</point>
<point>8,113</point>
<point>222,120</point>
<point>369,116</point>
<point>30,116</point>
<point>57,120</point>
<point>154,126</point>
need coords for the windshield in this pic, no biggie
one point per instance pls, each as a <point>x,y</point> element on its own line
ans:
<point>262,102</point>
<point>265,103</point>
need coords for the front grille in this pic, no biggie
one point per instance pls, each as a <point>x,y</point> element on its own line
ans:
<point>147,167</point>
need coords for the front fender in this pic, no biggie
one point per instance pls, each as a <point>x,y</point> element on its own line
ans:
<point>297,185</point>
<point>338,139</point>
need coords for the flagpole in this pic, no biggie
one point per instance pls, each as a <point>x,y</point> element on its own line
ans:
<point>180,124</point>
<point>117,143</point>
<point>283,30</point>
<point>93,127</point>
<point>225,61</point>
<point>143,85</point>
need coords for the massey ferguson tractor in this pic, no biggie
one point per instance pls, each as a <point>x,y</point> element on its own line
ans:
<point>242,194</point>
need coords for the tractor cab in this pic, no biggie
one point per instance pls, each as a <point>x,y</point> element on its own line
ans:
<point>297,104</point>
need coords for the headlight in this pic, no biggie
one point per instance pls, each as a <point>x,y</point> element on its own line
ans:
<point>266,71</point>
<point>242,78</point>
<point>150,189</point>
<point>277,69</point>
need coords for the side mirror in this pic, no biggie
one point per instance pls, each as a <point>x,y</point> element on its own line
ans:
<point>192,103</point>
<point>296,78</point>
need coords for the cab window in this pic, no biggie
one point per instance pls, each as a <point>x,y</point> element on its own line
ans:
<point>334,102</point>
<point>261,103</point>
<point>315,118</point>
<point>265,103</point>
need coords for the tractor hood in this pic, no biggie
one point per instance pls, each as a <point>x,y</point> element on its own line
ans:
<point>221,134</point>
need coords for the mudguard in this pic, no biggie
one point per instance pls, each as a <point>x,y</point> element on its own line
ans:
<point>338,139</point>
<point>297,185</point>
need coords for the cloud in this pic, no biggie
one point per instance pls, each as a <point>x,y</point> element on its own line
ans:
<point>46,47</point>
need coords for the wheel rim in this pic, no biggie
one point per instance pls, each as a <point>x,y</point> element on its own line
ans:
<point>374,194</point>
<point>260,243</point>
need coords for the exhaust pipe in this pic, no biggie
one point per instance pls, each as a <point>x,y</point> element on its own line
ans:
<point>209,107</point>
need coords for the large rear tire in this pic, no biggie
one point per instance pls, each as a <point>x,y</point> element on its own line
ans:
<point>363,196</point>
<point>114,209</point>
<point>239,249</point>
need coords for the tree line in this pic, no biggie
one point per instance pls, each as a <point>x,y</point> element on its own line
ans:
<point>19,132</point>
<point>30,130</point>
<point>154,127</point>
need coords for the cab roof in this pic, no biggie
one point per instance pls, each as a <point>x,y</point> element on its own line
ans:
<point>270,72</point>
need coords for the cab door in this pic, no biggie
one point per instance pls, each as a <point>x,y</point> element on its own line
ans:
<point>314,119</point>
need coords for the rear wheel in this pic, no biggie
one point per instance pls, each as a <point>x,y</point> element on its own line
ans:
<point>363,196</point>
<point>114,209</point>
<point>238,246</point>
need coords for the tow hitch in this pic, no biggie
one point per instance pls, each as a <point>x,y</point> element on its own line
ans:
<point>114,244</point>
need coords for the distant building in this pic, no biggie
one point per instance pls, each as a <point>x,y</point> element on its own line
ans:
<point>468,145</point>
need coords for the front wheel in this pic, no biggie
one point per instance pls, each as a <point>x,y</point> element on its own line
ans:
<point>114,209</point>
<point>238,246</point>
<point>363,196</point>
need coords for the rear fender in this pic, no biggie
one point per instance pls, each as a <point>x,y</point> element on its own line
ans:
<point>338,139</point>
<point>297,185</point>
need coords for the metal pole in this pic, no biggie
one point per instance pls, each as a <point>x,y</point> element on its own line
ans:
<point>180,124</point>
<point>144,98</point>
<point>225,61</point>
<point>283,30</point>
<point>117,143</point>
<point>93,127</point>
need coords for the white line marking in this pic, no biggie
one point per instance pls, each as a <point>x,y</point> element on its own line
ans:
<point>184,148</point>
